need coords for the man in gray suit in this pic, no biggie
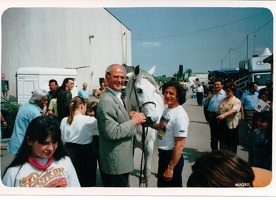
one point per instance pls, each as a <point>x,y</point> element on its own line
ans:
<point>116,131</point>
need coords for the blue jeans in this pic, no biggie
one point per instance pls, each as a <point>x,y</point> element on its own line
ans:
<point>164,159</point>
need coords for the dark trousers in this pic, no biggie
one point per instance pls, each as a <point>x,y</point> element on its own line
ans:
<point>229,137</point>
<point>164,159</point>
<point>248,115</point>
<point>115,180</point>
<point>214,130</point>
<point>199,98</point>
<point>84,161</point>
<point>96,148</point>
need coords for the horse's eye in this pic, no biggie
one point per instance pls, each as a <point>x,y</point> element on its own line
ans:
<point>139,90</point>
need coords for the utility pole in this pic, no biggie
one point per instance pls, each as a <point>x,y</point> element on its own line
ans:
<point>254,43</point>
<point>247,47</point>
<point>230,58</point>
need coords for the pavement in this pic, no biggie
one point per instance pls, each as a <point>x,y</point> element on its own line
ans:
<point>197,143</point>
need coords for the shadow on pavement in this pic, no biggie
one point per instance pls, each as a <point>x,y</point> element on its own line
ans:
<point>136,173</point>
<point>191,154</point>
<point>200,122</point>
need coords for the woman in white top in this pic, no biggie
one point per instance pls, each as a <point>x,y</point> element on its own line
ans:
<point>77,133</point>
<point>41,160</point>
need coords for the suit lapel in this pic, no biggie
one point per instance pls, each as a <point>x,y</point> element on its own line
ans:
<point>121,106</point>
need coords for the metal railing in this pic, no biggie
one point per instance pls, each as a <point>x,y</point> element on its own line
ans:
<point>242,82</point>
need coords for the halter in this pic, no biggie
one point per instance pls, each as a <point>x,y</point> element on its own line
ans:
<point>136,97</point>
<point>145,126</point>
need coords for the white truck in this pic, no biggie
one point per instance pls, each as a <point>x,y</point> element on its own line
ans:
<point>202,77</point>
<point>255,70</point>
<point>29,79</point>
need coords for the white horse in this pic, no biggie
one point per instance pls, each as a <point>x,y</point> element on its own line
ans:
<point>142,94</point>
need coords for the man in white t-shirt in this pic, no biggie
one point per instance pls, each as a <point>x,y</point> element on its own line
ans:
<point>199,93</point>
<point>172,134</point>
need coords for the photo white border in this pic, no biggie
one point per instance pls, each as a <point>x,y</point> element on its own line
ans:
<point>137,192</point>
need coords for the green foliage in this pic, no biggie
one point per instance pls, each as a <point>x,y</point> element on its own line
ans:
<point>162,79</point>
<point>11,109</point>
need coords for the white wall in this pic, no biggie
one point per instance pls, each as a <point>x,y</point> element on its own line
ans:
<point>59,38</point>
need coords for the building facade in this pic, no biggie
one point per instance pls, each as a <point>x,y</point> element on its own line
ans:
<point>86,39</point>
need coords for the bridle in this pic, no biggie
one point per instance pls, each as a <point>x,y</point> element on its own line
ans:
<point>136,97</point>
<point>144,130</point>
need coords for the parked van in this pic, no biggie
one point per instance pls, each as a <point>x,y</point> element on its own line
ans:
<point>29,79</point>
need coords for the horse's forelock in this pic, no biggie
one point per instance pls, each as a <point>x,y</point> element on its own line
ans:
<point>148,76</point>
<point>138,77</point>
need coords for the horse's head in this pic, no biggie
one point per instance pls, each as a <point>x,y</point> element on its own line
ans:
<point>142,95</point>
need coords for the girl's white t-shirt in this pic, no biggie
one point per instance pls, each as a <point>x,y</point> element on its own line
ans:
<point>81,130</point>
<point>59,174</point>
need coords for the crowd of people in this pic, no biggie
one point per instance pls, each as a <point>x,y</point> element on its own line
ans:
<point>225,111</point>
<point>71,137</point>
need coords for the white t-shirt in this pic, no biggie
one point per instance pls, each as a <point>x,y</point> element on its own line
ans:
<point>59,174</point>
<point>200,89</point>
<point>80,131</point>
<point>173,123</point>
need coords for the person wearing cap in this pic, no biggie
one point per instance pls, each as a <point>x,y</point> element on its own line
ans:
<point>26,113</point>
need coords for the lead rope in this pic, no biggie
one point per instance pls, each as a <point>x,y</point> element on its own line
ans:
<point>143,182</point>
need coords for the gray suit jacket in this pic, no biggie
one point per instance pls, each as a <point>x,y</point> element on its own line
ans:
<point>116,132</point>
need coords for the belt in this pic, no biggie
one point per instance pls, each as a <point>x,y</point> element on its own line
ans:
<point>165,151</point>
<point>70,144</point>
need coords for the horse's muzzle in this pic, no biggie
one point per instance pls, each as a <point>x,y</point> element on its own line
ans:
<point>149,122</point>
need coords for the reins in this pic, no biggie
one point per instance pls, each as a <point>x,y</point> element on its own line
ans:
<point>142,180</point>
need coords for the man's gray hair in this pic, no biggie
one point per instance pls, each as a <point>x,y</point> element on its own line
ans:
<point>108,69</point>
<point>38,95</point>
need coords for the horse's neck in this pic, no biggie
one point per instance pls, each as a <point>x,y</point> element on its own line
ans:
<point>159,103</point>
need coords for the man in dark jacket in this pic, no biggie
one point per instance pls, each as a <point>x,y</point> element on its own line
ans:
<point>64,98</point>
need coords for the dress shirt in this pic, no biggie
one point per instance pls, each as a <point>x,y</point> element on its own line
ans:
<point>214,101</point>
<point>250,100</point>
<point>117,94</point>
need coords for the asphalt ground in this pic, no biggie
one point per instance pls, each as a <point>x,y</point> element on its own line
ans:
<point>197,143</point>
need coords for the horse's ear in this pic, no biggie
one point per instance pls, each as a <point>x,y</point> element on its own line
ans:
<point>137,70</point>
<point>152,70</point>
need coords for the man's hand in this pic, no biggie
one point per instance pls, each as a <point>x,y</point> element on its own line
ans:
<point>137,118</point>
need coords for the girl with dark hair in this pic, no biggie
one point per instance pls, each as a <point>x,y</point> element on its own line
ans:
<point>172,133</point>
<point>221,168</point>
<point>92,112</point>
<point>92,109</point>
<point>41,160</point>
<point>261,151</point>
<point>77,133</point>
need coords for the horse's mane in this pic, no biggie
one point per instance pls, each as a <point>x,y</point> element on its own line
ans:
<point>143,74</point>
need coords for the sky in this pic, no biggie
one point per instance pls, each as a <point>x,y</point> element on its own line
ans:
<point>201,38</point>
